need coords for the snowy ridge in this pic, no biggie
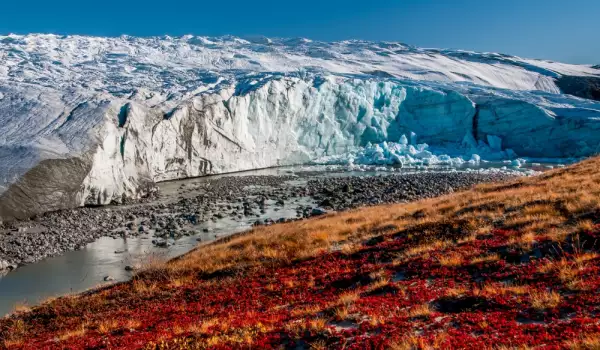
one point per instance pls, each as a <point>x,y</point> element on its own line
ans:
<point>174,67</point>
<point>88,120</point>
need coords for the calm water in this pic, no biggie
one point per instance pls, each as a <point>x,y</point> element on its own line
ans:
<point>77,271</point>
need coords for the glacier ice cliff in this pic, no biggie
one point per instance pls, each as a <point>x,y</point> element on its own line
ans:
<point>89,121</point>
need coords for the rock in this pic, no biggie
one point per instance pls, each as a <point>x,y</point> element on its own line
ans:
<point>160,242</point>
<point>347,188</point>
<point>580,86</point>
<point>129,268</point>
<point>108,278</point>
<point>318,211</point>
<point>326,203</point>
<point>6,266</point>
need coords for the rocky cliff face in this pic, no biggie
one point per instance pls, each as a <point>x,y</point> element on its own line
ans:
<point>83,125</point>
<point>584,87</point>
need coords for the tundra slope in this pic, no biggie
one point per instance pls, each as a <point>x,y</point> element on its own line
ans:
<point>89,120</point>
<point>511,265</point>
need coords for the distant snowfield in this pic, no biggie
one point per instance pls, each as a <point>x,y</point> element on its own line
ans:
<point>90,120</point>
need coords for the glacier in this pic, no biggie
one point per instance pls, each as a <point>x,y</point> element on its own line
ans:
<point>92,121</point>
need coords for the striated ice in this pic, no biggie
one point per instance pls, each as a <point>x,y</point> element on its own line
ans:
<point>495,143</point>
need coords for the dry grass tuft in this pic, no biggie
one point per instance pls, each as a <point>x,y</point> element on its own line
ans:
<point>74,333</point>
<point>568,270</point>
<point>180,281</point>
<point>348,298</point>
<point>485,259</point>
<point>341,313</point>
<point>587,342</point>
<point>306,310</point>
<point>581,258</point>
<point>451,260</point>
<point>204,326</point>
<point>379,274</point>
<point>376,320</point>
<point>585,226</point>
<point>422,310</point>
<point>491,289</point>
<point>144,287</point>
<point>107,326</point>
<point>21,307</point>
<point>350,248</point>
<point>578,285</point>
<point>318,324</point>
<point>456,291</point>
<point>517,289</point>
<point>420,250</point>
<point>410,343</point>
<point>542,300</point>
<point>319,345</point>
<point>379,283</point>
<point>132,324</point>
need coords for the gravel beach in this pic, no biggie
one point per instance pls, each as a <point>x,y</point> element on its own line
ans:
<point>168,216</point>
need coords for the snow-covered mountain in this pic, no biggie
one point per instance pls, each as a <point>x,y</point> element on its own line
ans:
<point>90,120</point>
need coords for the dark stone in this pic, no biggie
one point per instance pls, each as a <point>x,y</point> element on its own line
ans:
<point>318,211</point>
<point>584,87</point>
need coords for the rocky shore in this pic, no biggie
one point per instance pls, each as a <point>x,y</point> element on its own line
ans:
<point>169,216</point>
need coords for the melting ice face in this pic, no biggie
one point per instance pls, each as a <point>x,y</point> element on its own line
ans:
<point>413,154</point>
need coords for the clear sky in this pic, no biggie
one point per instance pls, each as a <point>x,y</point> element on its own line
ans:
<point>562,30</point>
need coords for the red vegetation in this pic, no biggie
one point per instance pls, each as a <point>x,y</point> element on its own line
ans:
<point>364,299</point>
<point>425,275</point>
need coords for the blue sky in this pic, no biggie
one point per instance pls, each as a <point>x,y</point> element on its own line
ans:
<point>562,30</point>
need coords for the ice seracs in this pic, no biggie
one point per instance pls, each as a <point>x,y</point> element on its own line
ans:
<point>89,120</point>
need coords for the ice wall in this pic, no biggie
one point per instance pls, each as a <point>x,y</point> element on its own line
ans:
<point>96,148</point>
